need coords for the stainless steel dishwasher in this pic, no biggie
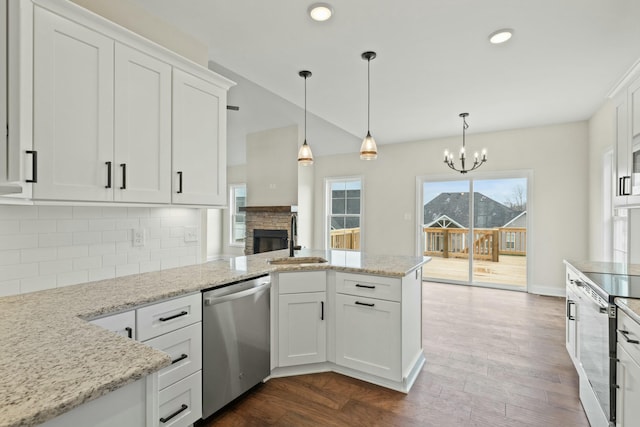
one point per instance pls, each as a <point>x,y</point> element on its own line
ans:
<point>236,342</point>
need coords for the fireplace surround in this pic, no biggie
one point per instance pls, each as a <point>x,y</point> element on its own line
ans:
<point>276,219</point>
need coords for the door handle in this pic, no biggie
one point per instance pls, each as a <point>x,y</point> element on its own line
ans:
<point>124,176</point>
<point>34,166</point>
<point>179,182</point>
<point>108,175</point>
<point>321,310</point>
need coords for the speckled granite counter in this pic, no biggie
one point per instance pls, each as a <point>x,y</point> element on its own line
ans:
<point>52,361</point>
<point>631,306</point>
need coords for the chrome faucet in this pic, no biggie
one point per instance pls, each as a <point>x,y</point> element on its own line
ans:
<point>293,234</point>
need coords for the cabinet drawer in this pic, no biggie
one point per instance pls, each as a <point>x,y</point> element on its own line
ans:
<point>385,288</point>
<point>185,348</point>
<point>122,323</point>
<point>158,319</point>
<point>632,329</point>
<point>297,282</point>
<point>181,403</point>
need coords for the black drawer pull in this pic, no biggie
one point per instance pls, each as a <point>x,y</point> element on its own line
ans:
<point>627,339</point>
<point>129,331</point>
<point>182,313</point>
<point>364,303</point>
<point>34,166</point>
<point>182,408</point>
<point>184,356</point>
<point>108,175</point>
<point>358,285</point>
<point>321,310</point>
<point>124,176</point>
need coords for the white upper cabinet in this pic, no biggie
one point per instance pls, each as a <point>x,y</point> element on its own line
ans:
<point>142,127</point>
<point>199,141</point>
<point>72,110</point>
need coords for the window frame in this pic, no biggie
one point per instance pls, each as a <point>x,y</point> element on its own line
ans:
<point>328,207</point>
<point>233,214</point>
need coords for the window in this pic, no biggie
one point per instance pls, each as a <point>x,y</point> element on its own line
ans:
<point>237,228</point>
<point>344,210</point>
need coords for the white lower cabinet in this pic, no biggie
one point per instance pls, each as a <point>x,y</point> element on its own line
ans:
<point>302,328</point>
<point>628,392</point>
<point>181,403</point>
<point>122,323</point>
<point>368,335</point>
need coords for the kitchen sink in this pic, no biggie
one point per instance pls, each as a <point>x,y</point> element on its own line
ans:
<point>297,260</point>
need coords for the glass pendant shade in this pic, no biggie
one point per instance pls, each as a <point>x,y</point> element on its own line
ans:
<point>305,157</point>
<point>368,150</point>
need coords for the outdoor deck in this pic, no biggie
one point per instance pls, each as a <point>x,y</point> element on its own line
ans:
<point>510,270</point>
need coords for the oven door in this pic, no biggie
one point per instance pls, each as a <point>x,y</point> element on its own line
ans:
<point>594,348</point>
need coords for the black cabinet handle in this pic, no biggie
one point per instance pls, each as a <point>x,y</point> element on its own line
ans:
<point>34,166</point>
<point>569,304</point>
<point>364,303</point>
<point>182,408</point>
<point>321,310</point>
<point>627,339</point>
<point>182,357</point>
<point>129,331</point>
<point>622,186</point>
<point>124,176</point>
<point>182,313</point>
<point>108,175</point>
<point>179,182</point>
<point>358,285</point>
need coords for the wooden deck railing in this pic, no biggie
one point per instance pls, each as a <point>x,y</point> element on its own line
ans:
<point>487,244</point>
<point>345,238</point>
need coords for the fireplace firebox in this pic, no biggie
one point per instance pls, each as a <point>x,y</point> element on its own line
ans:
<point>269,240</point>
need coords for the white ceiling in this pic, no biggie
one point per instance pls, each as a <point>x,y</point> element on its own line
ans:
<point>434,60</point>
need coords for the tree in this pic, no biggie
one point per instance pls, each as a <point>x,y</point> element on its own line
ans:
<point>518,199</point>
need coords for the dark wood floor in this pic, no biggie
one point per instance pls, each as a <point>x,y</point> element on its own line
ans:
<point>494,358</point>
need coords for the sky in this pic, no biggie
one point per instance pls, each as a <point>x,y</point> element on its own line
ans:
<point>499,190</point>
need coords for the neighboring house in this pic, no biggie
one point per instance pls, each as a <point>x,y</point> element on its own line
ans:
<point>455,207</point>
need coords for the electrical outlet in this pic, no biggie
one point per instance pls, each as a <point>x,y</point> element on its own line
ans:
<point>190,234</point>
<point>138,237</point>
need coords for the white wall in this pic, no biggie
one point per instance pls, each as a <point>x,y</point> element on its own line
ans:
<point>44,247</point>
<point>557,155</point>
<point>602,130</point>
<point>272,169</point>
<point>235,175</point>
<point>133,17</point>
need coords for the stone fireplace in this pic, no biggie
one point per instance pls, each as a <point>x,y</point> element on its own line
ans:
<point>267,219</point>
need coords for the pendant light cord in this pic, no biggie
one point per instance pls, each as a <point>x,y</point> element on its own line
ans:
<point>305,109</point>
<point>368,95</point>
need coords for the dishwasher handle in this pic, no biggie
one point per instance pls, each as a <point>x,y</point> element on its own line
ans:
<point>235,295</point>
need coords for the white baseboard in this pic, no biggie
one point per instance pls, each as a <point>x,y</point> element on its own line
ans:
<point>551,291</point>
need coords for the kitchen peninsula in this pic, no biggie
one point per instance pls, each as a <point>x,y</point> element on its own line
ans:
<point>53,360</point>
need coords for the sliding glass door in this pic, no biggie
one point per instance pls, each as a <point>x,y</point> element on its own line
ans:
<point>475,230</point>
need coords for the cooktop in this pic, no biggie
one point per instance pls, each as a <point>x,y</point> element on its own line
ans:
<point>616,285</point>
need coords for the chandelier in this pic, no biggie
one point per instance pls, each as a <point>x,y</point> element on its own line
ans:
<point>477,161</point>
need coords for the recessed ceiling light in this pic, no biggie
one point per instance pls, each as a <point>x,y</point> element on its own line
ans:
<point>500,36</point>
<point>320,11</point>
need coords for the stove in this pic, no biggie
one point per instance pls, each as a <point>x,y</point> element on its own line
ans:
<point>610,286</point>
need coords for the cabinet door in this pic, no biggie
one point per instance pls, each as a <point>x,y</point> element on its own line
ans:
<point>302,329</point>
<point>72,110</point>
<point>199,141</point>
<point>122,323</point>
<point>621,151</point>
<point>570,330</point>
<point>628,391</point>
<point>142,127</point>
<point>368,336</point>
<point>633,187</point>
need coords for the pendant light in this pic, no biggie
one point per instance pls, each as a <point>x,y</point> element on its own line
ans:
<point>368,150</point>
<point>305,157</point>
<point>477,161</point>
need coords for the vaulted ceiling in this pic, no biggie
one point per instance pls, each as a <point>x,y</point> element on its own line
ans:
<point>434,59</point>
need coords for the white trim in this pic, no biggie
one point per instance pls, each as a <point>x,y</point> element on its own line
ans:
<point>516,217</point>
<point>441,217</point>
<point>232,211</point>
<point>626,78</point>
<point>551,291</point>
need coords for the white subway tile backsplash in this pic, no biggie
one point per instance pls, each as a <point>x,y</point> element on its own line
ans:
<point>87,237</point>
<point>72,278</point>
<point>9,287</point>
<point>39,254</point>
<point>102,249</point>
<point>39,283</point>
<point>47,246</point>
<point>38,226</point>
<point>54,267</point>
<point>10,257</point>
<point>102,273</point>
<point>9,226</point>
<point>19,241</point>
<point>54,239</point>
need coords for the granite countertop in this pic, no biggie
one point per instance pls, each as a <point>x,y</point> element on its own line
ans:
<point>52,360</point>
<point>631,306</point>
